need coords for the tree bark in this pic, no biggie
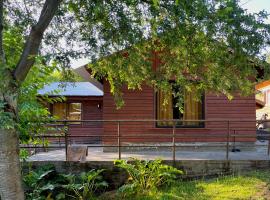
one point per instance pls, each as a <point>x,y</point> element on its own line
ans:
<point>10,171</point>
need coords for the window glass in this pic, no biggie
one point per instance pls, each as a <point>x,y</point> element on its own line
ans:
<point>192,109</point>
<point>164,108</point>
<point>74,111</point>
<point>59,110</point>
<point>67,111</point>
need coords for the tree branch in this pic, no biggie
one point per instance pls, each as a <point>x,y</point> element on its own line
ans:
<point>33,42</point>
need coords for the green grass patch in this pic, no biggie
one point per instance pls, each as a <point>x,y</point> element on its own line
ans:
<point>254,185</point>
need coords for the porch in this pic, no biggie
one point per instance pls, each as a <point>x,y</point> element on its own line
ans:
<point>225,141</point>
<point>98,154</point>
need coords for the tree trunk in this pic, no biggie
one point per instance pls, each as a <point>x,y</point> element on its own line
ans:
<point>10,171</point>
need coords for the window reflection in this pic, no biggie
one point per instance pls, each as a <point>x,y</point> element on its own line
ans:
<point>67,111</point>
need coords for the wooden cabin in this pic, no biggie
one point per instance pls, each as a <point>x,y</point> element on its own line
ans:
<point>81,101</point>
<point>146,104</point>
<point>86,101</point>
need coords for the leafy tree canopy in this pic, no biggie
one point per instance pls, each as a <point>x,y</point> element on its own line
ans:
<point>31,111</point>
<point>216,44</point>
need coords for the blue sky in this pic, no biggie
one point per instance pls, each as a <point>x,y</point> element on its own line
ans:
<point>256,6</point>
<point>252,6</point>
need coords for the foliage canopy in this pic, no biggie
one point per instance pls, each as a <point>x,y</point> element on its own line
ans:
<point>213,43</point>
<point>216,44</point>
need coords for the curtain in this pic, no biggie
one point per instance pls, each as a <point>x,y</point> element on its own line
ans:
<point>59,110</point>
<point>164,109</point>
<point>71,111</point>
<point>192,109</point>
<point>74,111</point>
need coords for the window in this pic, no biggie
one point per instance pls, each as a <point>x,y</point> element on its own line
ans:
<point>191,109</point>
<point>75,111</point>
<point>67,111</point>
<point>59,110</point>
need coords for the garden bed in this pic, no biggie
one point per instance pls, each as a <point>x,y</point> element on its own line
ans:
<point>142,180</point>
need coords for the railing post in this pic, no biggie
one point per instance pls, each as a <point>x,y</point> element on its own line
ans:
<point>173,142</point>
<point>227,142</point>
<point>43,145</point>
<point>234,146</point>
<point>119,140</point>
<point>268,152</point>
<point>66,139</point>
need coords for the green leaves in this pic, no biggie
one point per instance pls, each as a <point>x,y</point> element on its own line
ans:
<point>211,42</point>
<point>46,182</point>
<point>132,43</point>
<point>12,43</point>
<point>146,176</point>
<point>156,3</point>
<point>6,118</point>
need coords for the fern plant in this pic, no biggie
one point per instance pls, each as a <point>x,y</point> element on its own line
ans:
<point>146,176</point>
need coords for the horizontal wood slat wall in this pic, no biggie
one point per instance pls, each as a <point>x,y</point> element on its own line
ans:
<point>140,104</point>
<point>91,110</point>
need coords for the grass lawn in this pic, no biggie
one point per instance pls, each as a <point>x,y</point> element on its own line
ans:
<point>254,185</point>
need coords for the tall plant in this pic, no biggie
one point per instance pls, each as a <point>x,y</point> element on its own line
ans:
<point>146,176</point>
<point>89,184</point>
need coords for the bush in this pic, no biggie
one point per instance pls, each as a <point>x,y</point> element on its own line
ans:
<point>46,183</point>
<point>90,184</point>
<point>146,176</point>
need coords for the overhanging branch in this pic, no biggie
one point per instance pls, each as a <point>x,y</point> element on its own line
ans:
<point>33,42</point>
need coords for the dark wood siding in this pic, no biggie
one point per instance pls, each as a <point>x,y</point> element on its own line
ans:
<point>91,110</point>
<point>140,104</point>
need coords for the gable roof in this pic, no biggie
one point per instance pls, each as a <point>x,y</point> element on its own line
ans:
<point>86,76</point>
<point>263,85</point>
<point>71,89</point>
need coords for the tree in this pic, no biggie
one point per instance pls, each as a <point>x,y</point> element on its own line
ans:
<point>10,172</point>
<point>214,43</point>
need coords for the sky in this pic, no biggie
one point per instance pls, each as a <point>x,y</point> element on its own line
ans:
<point>251,6</point>
<point>256,5</point>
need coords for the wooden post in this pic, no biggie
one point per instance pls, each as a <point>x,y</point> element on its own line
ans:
<point>234,146</point>
<point>173,142</point>
<point>268,152</point>
<point>119,140</point>
<point>43,141</point>
<point>227,142</point>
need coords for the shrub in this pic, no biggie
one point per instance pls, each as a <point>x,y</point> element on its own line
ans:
<point>146,176</point>
<point>39,184</point>
<point>46,183</point>
<point>90,183</point>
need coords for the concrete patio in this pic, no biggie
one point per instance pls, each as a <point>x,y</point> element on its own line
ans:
<point>258,152</point>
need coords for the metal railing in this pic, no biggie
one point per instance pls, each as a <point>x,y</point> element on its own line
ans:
<point>229,133</point>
